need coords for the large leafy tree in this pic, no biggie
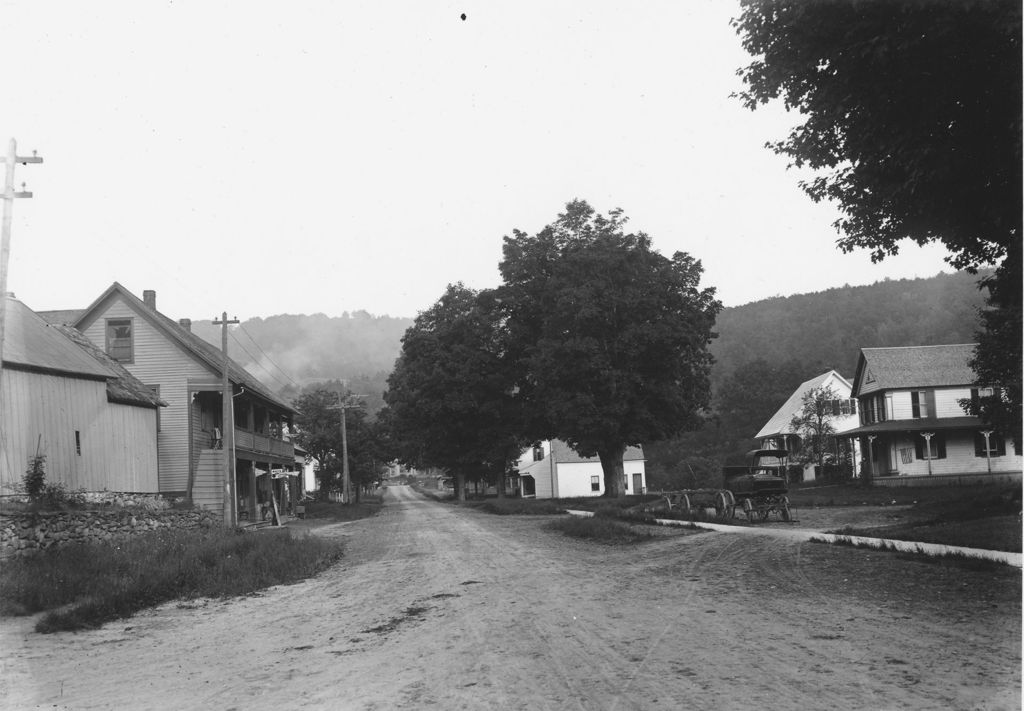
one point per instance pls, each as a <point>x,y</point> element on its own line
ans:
<point>450,402</point>
<point>608,339</point>
<point>318,425</point>
<point>912,122</point>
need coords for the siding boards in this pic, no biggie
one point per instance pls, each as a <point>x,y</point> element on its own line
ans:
<point>117,441</point>
<point>159,361</point>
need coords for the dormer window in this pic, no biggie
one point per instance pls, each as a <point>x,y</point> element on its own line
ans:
<point>119,340</point>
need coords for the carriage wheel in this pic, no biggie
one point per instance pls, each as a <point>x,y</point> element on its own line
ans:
<point>684,504</point>
<point>748,509</point>
<point>722,507</point>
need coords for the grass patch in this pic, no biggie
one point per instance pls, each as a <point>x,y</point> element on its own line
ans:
<point>513,506</point>
<point>953,558</point>
<point>600,529</point>
<point>84,586</point>
<point>997,533</point>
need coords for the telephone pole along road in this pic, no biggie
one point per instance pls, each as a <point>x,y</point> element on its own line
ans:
<point>441,606</point>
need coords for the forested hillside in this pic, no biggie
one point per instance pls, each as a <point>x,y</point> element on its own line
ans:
<point>830,327</point>
<point>290,353</point>
<point>763,351</point>
<point>767,348</point>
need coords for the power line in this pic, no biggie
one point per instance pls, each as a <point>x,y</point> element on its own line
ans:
<point>267,356</point>
<point>255,360</point>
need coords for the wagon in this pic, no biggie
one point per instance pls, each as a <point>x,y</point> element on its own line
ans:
<point>760,488</point>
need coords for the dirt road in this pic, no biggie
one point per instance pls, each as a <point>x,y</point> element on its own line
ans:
<point>440,607</point>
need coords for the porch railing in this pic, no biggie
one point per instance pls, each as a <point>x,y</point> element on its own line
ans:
<point>263,444</point>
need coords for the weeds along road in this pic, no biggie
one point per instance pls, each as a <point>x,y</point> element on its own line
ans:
<point>436,606</point>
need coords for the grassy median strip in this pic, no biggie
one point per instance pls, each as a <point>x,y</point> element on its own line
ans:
<point>84,586</point>
<point>600,529</point>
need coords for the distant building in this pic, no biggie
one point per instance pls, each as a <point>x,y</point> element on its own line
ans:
<point>553,470</point>
<point>778,432</point>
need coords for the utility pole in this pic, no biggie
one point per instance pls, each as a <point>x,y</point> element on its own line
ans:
<point>346,482</point>
<point>228,424</point>
<point>11,159</point>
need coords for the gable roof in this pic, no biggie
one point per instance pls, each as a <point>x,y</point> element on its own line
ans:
<point>61,316</point>
<point>913,366</point>
<point>123,387</point>
<point>32,344</point>
<point>564,454</point>
<point>780,421</point>
<point>209,355</point>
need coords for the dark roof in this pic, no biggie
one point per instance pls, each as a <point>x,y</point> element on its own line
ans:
<point>563,453</point>
<point>124,387</point>
<point>917,425</point>
<point>912,367</point>
<point>203,351</point>
<point>63,316</point>
<point>31,343</point>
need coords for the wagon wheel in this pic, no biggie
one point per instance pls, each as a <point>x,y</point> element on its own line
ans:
<point>722,507</point>
<point>748,509</point>
<point>684,504</point>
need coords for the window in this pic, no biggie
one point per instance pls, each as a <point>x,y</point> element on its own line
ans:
<point>875,408</point>
<point>78,443</point>
<point>538,453</point>
<point>595,483</point>
<point>119,340</point>
<point>919,404</point>
<point>938,447</point>
<point>996,445</point>
<point>625,482</point>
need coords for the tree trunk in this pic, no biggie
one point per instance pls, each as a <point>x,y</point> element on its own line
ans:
<point>614,472</point>
<point>501,486</point>
<point>460,487</point>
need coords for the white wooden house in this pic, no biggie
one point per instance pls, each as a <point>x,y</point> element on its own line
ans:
<point>553,470</point>
<point>61,398</point>
<point>912,426</point>
<point>186,372</point>
<point>778,432</point>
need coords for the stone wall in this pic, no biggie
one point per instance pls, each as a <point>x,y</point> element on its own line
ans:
<point>26,532</point>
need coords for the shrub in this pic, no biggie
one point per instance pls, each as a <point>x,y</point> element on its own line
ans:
<point>34,480</point>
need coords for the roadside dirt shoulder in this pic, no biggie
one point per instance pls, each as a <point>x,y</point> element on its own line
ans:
<point>436,606</point>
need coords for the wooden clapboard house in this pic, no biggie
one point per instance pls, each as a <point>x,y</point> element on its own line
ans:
<point>186,372</point>
<point>913,428</point>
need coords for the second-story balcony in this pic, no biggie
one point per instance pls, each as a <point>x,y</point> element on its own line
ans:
<point>264,444</point>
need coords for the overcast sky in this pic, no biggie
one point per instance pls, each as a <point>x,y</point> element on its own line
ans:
<point>266,158</point>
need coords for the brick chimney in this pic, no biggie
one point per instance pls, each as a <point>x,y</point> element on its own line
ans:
<point>185,323</point>
<point>149,298</point>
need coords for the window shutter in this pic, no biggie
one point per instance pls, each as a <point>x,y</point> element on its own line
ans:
<point>979,444</point>
<point>919,447</point>
<point>915,404</point>
<point>853,406</point>
<point>974,397</point>
<point>939,448</point>
<point>1000,445</point>
<point>835,408</point>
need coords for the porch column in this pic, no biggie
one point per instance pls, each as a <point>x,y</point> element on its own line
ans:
<point>988,449</point>
<point>871,454</point>
<point>253,511</point>
<point>928,449</point>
